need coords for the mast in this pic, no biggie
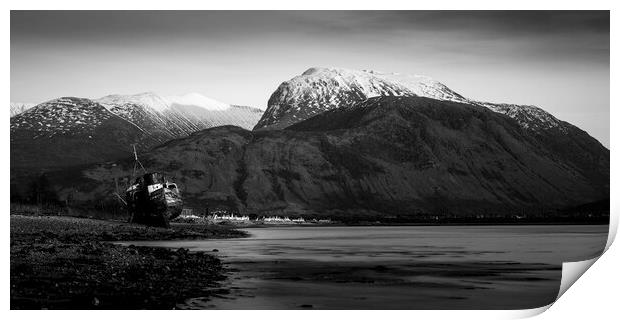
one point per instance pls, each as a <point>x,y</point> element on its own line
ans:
<point>135,154</point>
<point>137,161</point>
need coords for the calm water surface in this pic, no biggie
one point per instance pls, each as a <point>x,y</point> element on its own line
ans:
<point>395,267</point>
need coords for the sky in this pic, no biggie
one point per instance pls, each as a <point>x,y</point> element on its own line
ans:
<point>558,60</point>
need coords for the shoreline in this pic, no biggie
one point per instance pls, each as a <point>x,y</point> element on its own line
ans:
<point>251,226</point>
<point>60,262</point>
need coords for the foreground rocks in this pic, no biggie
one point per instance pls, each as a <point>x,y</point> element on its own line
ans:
<point>66,263</point>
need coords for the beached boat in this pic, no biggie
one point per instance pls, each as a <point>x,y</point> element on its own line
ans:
<point>152,199</point>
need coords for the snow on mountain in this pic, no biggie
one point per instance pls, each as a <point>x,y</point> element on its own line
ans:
<point>529,117</point>
<point>198,100</point>
<point>178,115</point>
<point>149,99</point>
<point>147,112</point>
<point>422,86</point>
<point>320,89</point>
<point>163,118</point>
<point>20,107</point>
<point>72,131</point>
<point>65,115</point>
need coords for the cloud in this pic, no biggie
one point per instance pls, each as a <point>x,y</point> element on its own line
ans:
<point>496,55</point>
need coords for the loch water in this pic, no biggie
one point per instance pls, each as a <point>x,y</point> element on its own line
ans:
<point>395,267</point>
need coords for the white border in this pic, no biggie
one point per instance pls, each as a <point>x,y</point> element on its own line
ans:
<point>594,295</point>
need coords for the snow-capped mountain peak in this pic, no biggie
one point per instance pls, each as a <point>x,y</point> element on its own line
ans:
<point>149,99</point>
<point>321,89</point>
<point>198,100</point>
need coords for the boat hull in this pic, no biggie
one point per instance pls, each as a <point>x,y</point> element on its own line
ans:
<point>155,205</point>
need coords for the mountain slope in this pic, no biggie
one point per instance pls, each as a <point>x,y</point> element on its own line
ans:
<point>178,115</point>
<point>383,156</point>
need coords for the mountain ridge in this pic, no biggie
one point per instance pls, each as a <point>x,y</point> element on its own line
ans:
<point>321,89</point>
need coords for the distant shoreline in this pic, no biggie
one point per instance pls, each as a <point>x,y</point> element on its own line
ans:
<point>250,226</point>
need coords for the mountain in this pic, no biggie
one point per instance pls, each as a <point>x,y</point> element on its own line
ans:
<point>321,89</point>
<point>19,107</point>
<point>383,156</point>
<point>178,116</point>
<point>355,145</point>
<point>72,131</point>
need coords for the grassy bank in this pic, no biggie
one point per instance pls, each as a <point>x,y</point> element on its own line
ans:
<point>68,263</point>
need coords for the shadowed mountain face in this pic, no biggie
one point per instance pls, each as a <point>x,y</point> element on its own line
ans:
<point>385,155</point>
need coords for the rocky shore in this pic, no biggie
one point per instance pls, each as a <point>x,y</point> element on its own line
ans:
<point>70,263</point>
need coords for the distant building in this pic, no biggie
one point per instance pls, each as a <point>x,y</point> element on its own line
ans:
<point>230,217</point>
<point>281,220</point>
<point>276,219</point>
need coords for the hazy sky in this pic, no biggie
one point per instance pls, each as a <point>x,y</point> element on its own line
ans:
<point>556,60</point>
